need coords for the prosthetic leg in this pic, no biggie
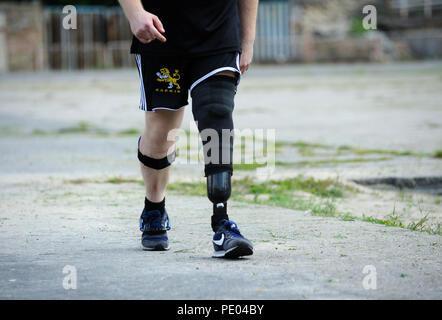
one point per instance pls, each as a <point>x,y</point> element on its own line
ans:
<point>212,107</point>
<point>212,110</point>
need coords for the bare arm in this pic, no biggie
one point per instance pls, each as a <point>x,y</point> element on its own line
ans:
<point>145,26</point>
<point>248,10</point>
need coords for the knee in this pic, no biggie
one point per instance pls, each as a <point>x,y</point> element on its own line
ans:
<point>155,156</point>
<point>155,143</point>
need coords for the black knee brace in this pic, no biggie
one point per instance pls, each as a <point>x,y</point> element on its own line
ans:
<point>212,107</point>
<point>156,164</point>
<point>218,191</point>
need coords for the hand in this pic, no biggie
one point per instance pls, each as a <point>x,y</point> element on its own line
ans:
<point>246,56</point>
<point>146,27</point>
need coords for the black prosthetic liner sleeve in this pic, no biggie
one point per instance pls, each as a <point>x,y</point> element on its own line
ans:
<point>212,107</point>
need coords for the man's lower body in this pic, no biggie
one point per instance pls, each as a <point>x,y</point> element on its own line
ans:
<point>164,86</point>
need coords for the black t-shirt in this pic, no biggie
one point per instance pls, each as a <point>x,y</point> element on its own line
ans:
<point>193,27</point>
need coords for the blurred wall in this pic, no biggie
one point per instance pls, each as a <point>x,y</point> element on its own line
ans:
<point>322,31</point>
<point>23,34</point>
<point>3,44</point>
<point>102,39</point>
<point>32,37</point>
<point>331,30</point>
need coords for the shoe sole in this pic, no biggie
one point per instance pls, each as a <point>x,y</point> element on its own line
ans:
<point>158,247</point>
<point>233,253</point>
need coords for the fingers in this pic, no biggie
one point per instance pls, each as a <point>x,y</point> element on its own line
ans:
<point>156,28</point>
<point>157,35</point>
<point>150,35</point>
<point>244,68</point>
<point>245,61</point>
<point>150,31</point>
<point>157,23</point>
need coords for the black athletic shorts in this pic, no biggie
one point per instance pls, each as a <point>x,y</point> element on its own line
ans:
<point>165,81</point>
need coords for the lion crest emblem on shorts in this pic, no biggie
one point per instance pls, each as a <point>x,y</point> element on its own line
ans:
<point>164,76</point>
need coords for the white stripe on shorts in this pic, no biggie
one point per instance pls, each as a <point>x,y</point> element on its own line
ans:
<point>142,92</point>
<point>211,73</point>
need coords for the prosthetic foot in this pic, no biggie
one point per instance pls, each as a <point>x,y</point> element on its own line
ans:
<point>228,242</point>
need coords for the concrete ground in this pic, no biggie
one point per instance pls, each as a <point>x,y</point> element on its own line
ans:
<point>58,207</point>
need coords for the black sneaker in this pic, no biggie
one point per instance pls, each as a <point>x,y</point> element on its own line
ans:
<point>229,243</point>
<point>154,226</point>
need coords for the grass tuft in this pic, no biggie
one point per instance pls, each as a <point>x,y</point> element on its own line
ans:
<point>118,180</point>
<point>81,127</point>
<point>438,154</point>
<point>129,132</point>
<point>279,193</point>
<point>188,188</point>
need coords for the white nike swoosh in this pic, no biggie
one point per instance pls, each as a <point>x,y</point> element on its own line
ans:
<point>220,241</point>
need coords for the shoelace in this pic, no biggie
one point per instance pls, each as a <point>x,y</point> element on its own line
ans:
<point>232,226</point>
<point>153,219</point>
